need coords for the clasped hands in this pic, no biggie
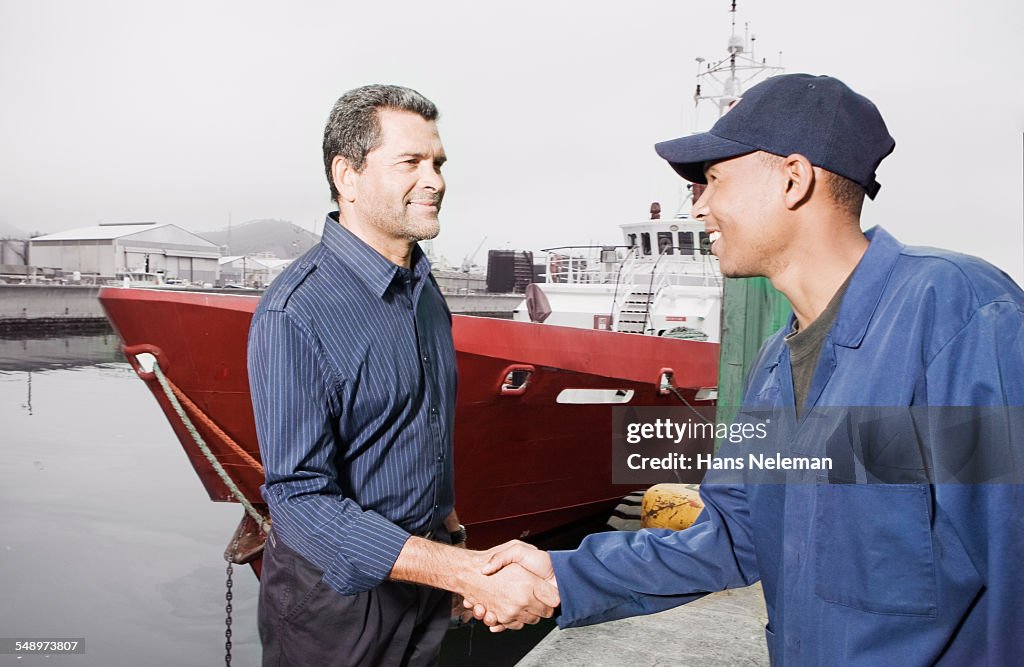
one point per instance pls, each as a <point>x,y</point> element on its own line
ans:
<point>518,587</point>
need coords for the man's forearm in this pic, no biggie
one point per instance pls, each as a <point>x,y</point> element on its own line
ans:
<point>422,561</point>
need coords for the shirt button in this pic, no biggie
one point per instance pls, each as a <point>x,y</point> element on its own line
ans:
<point>433,411</point>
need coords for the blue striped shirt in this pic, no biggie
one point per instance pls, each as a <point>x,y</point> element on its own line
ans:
<point>352,371</point>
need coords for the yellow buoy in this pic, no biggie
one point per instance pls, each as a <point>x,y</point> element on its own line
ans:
<point>674,506</point>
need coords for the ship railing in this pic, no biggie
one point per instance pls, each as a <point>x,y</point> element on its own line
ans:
<point>621,264</point>
<point>626,283</point>
<point>655,281</point>
<point>584,265</point>
<point>644,277</point>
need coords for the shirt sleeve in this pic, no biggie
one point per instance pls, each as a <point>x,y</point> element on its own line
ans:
<point>620,574</point>
<point>295,405</point>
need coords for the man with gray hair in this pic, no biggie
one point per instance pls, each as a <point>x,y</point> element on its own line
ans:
<point>352,371</point>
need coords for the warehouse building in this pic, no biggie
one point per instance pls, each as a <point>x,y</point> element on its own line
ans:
<point>254,271</point>
<point>109,251</point>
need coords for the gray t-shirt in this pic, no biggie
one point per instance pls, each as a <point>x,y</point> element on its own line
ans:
<point>805,346</point>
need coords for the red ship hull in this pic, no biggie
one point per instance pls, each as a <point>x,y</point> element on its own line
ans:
<point>524,463</point>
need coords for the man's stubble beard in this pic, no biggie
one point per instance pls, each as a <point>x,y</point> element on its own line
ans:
<point>762,260</point>
<point>400,223</point>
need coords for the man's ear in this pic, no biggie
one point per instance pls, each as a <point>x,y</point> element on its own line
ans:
<point>345,179</point>
<point>800,178</point>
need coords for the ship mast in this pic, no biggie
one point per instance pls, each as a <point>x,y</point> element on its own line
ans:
<point>721,83</point>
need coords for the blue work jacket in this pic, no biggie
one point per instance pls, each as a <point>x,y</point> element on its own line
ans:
<point>913,573</point>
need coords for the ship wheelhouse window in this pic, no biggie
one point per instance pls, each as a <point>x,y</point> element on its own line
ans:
<point>632,240</point>
<point>665,243</point>
<point>645,240</point>
<point>705,244</point>
<point>686,243</point>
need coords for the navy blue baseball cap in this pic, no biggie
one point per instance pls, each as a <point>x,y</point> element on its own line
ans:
<point>818,117</point>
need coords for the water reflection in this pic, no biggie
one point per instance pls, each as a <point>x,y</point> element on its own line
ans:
<point>49,350</point>
<point>106,533</point>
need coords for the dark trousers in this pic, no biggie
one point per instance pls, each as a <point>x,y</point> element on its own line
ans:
<point>304,622</point>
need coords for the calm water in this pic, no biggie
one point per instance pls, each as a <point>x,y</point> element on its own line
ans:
<point>106,532</point>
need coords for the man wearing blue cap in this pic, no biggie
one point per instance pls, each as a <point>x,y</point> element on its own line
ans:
<point>915,568</point>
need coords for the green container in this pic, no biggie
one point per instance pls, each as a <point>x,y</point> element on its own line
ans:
<point>752,310</point>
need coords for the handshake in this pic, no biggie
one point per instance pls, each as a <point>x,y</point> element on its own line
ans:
<point>513,585</point>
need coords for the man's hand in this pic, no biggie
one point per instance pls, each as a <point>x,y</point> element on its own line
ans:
<point>523,554</point>
<point>517,553</point>
<point>512,597</point>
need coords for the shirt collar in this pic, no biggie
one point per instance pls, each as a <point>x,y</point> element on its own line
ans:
<point>376,271</point>
<point>863,294</point>
<point>866,288</point>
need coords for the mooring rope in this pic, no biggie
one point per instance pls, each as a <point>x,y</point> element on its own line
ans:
<point>172,397</point>
<point>210,424</point>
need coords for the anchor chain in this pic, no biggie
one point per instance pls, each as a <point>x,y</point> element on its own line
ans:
<point>228,597</point>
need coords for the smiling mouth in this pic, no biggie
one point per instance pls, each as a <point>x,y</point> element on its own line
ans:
<point>714,236</point>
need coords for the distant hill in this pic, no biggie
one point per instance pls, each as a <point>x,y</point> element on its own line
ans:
<point>278,237</point>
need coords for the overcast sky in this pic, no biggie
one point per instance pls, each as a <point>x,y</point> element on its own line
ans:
<point>195,113</point>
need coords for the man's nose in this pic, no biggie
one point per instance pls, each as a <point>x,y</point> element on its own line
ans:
<point>430,176</point>
<point>701,210</point>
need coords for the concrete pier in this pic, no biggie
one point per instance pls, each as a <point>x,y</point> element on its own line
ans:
<point>484,304</point>
<point>26,307</point>
<point>719,630</point>
<point>45,306</point>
